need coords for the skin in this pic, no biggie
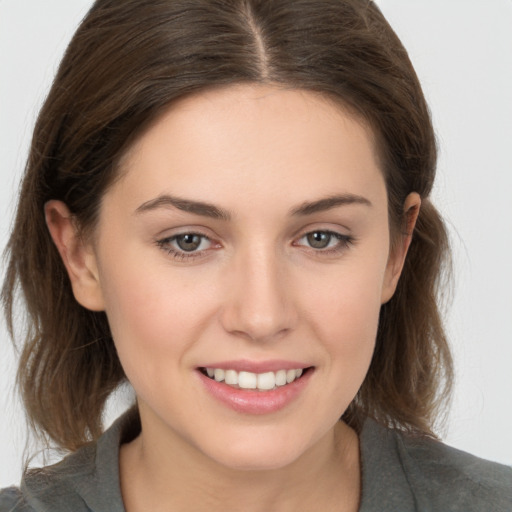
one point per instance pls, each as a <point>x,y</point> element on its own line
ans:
<point>255,290</point>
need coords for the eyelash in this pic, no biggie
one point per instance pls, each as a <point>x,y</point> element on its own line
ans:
<point>179,254</point>
<point>344,242</point>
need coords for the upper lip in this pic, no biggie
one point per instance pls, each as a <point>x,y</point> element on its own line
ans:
<point>244,365</point>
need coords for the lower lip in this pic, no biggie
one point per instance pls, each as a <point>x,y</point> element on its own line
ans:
<point>253,401</point>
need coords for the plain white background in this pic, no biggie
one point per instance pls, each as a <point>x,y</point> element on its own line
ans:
<point>462,51</point>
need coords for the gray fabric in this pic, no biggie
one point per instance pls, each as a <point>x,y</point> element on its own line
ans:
<point>406,474</point>
<point>400,474</point>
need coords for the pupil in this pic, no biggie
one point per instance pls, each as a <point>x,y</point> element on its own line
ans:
<point>319,239</point>
<point>188,242</point>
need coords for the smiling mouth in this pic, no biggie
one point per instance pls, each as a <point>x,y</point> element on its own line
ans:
<point>254,381</point>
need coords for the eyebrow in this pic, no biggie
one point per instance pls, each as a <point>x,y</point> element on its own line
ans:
<point>328,203</point>
<point>186,205</point>
<point>214,212</point>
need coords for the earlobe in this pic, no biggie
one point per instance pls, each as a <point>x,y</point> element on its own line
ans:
<point>397,257</point>
<point>77,256</point>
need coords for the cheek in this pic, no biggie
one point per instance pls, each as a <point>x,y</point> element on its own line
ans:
<point>345,316</point>
<point>154,317</point>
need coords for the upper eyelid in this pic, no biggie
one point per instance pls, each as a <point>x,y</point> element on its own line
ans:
<point>184,233</point>
<point>333,231</point>
<point>199,231</point>
<point>171,233</point>
<point>171,238</point>
<point>335,234</point>
<point>325,226</point>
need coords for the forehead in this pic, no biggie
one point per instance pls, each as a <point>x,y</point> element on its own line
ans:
<point>252,138</point>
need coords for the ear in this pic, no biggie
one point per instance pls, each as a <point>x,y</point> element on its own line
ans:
<point>78,257</point>
<point>399,252</point>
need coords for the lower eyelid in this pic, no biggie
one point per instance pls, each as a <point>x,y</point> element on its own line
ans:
<point>344,241</point>
<point>334,234</point>
<point>168,245</point>
<point>180,255</point>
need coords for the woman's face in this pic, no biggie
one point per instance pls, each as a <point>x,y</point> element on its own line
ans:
<point>247,238</point>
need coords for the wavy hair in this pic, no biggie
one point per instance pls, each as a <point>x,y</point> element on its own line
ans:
<point>128,60</point>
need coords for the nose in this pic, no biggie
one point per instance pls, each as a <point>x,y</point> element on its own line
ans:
<point>259,303</point>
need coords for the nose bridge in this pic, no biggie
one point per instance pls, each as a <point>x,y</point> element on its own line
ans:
<point>259,304</point>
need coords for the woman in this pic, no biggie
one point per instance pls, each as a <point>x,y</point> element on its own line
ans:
<point>227,204</point>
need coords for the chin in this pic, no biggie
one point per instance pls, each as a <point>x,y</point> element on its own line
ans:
<point>258,453</point>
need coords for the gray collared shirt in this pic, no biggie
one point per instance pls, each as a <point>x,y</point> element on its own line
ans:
<point>399,474</point>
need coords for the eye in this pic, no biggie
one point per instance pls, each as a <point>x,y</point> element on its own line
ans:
<point>190,242</point>
<point>319,239</point>
<point>186,245</point>
<point>325,241</point>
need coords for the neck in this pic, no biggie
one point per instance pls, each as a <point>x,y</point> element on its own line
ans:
<point>175,476</point>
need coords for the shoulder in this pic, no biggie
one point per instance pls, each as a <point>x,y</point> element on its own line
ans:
<point>51,488</point>
<point>405,473</point>
<point>86,480</point>
<point>442,474</point>
<point>11,500</point>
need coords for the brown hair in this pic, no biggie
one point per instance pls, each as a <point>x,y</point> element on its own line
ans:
<point>127,61</point>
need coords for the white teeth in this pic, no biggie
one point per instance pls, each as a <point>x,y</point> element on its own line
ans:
<point>218,374</point>
<point>231,377</point>
<point>249,380</point>
<point>281,378</point>
<point>267,380</point>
